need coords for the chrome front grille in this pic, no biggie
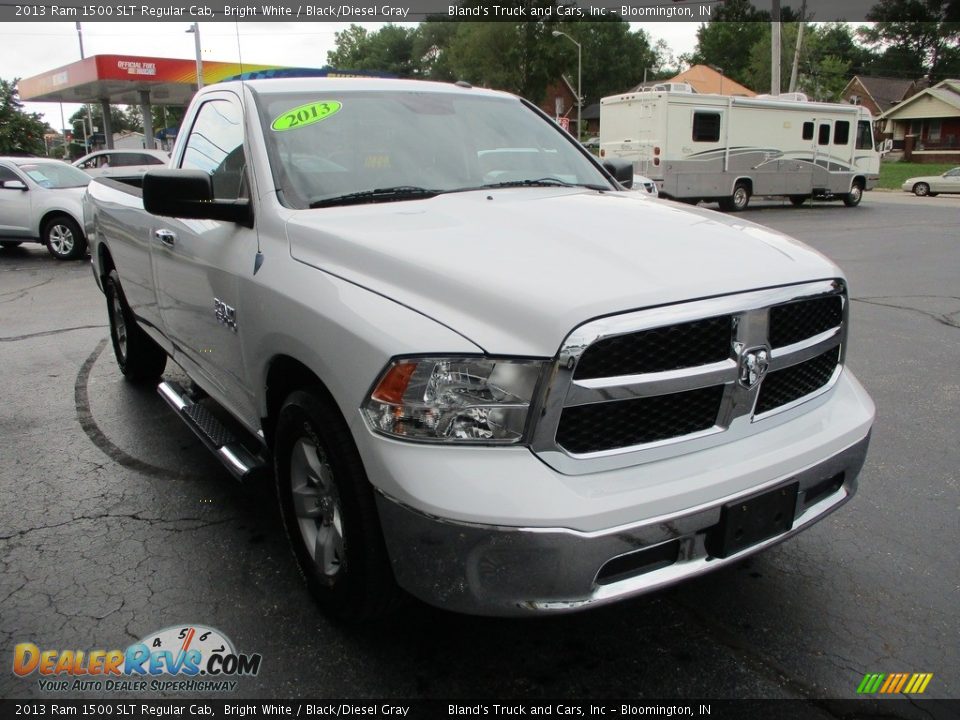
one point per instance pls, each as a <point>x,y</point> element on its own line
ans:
<point>669,380</point>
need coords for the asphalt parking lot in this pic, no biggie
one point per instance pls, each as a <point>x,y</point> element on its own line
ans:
<point>114,522</point>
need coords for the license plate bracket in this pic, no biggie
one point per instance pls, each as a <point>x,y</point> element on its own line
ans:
<point>754,519</point>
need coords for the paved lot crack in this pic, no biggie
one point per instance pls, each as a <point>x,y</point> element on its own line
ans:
<point>15,338</point>
<point>158,523</point>
<point>944,319</point>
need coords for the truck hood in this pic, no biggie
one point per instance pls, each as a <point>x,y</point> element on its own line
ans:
<point>516,270</point>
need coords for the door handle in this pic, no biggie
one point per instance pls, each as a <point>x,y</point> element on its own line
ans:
<point>167,237</point>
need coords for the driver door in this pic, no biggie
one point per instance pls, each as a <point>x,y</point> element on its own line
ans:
<point>200,265</point>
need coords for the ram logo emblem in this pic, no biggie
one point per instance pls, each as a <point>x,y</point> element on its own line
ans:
<point>753,366</point>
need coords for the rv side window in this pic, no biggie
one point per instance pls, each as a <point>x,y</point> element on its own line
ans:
<point>706,127</point>
<point>841,132</point>
<point>824,137</point>
<point>864,136</point>
<point>808,131</point>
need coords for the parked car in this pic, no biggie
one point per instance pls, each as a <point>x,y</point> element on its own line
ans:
<point>41,200</point>
<point>592,143</point>
<point>644,184</point>
<point>473,364</point>
<point>123,163</point>
<point>933,185</point>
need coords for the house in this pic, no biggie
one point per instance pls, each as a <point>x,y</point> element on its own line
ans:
<point>879,94</point>
<point>926,126</point>
<point>591,120</point>
<point>703,79</point>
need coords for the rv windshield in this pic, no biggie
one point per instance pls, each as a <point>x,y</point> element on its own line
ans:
<point>353,147</point>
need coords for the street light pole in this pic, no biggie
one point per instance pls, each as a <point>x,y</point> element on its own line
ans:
<point>195,29</point>
<point>557,33</point>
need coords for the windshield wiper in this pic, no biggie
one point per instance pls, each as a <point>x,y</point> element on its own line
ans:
<point>544,182</point>
<point>400,192</point>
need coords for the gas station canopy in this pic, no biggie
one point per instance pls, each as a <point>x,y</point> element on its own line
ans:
<point>121,80</point>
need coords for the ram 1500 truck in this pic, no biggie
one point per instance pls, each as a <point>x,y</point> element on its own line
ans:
<point>477,368</point>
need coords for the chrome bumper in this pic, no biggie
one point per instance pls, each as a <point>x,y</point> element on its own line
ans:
<point>514,571</point>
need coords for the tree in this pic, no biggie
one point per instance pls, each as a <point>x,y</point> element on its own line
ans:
<point>916,37</point>
<point>120,120</point>
<point>21,133</point>
<point>727,41</point>
<point>389,50</point>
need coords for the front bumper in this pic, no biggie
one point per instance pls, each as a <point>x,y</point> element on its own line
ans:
<point>520,571</point>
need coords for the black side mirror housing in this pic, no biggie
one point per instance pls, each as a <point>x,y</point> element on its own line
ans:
<point>14,185</point>
<point>622,171</point>
<point>189,194</point>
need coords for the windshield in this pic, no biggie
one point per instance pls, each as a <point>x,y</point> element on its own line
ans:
<point>55,176</point>
<point>324,147</point>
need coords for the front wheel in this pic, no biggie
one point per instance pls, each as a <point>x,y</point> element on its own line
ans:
<point>921,189</point>
<point>853,198</point>
<point>139,357</point>
<point>328,510</point>
<point>63,238</point>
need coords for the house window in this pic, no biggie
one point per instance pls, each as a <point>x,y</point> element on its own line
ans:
<point>841,132</point>
<point>824,137</point>
<point>854,99</point>
<point>933,130</point>
<point>808,131</point>
<point>916,127</point>
<point>706,127</point>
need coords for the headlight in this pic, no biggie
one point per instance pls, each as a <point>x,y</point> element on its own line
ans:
<point>450,400</point>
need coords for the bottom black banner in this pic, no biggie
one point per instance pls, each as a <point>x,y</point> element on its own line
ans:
<point>372,708</point>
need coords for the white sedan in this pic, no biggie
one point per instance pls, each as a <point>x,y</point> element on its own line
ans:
<point>122,163</point>
<point>931,185</point>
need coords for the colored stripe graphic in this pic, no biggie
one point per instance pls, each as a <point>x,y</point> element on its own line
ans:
<point>894,683</point>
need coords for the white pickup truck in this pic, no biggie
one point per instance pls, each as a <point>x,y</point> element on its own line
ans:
<point>477,368</point>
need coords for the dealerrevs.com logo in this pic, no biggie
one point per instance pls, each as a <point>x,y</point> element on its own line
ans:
<point>187,658</point>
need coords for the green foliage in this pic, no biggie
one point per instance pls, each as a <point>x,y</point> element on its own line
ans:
<point>389,49</point>
<point>727,41</point>
<point>21,133</point>
<point>894,174</point>
<point>916,37</point>
<point>120,120</point>
<point>520,57</point>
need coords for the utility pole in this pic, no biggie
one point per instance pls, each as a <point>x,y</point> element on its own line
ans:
<point>796,51</point>
<point>775,49</point>
<point>557,33</point>
<point>86,143</point>
<point>195,29</point>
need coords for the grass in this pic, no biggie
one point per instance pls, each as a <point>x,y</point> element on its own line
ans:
<point>893,174</point>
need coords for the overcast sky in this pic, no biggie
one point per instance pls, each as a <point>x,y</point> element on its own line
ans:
<point>28,49</point>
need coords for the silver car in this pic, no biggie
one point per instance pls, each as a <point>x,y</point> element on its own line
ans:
<point>40,201</point>
<point>932,185</point>
<point>122,163</point>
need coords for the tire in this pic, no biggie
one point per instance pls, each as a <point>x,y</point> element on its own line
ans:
<point>328,510</point>
<point>853,198</point>
<point>798,200</point>
<point>738,200</point>
<point>921,189</point>
<point>140,359</point>
<point>63,238</point>
<point>10,244</point>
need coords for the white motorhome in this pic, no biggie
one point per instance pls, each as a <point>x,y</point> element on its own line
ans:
<point>726,149</point>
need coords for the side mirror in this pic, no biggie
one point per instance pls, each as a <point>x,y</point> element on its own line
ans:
<point>622,171</point>
<point>189,194</point>
<point>14,185</point>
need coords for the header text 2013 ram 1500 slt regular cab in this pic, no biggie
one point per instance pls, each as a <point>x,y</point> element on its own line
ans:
<point>481,371</point>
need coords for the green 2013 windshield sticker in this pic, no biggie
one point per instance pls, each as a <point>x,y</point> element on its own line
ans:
<point>305,115</point>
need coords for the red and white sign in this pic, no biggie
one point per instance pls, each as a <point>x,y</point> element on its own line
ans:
<point>565,123</point>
